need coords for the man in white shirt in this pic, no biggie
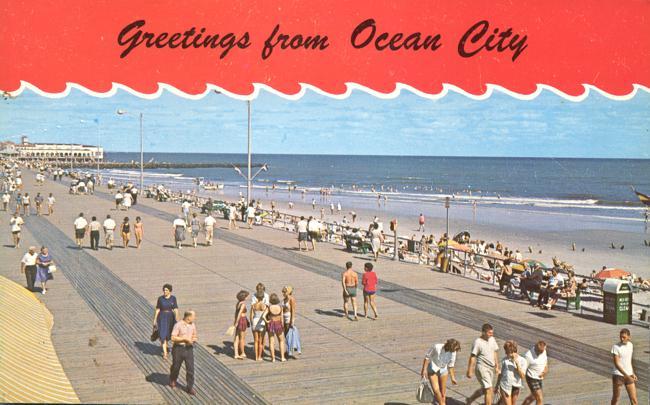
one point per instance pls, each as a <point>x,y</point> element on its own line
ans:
<point>185,207</point>
<point>28,267</point>
<point>6,197</point>
<point>535,373</point>
<point>301,227</point>
<point>209,229</point>
<point>484,360</point>
<point>118,199</point>
<point>109,231</point>
<point>313,227</point>
<point>50,204</point>
<point>16,223</point>
<point>80,228</point>
<point>623,373</point>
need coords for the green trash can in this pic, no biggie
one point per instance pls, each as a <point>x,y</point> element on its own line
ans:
<point>617,302</point>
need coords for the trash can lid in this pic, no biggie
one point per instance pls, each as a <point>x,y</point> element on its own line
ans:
<point>613,285</point>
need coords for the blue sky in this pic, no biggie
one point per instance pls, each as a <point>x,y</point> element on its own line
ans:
<point>455,125</point>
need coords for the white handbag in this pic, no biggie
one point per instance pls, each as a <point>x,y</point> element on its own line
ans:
<point>51,269</point>
<point>424,393</point>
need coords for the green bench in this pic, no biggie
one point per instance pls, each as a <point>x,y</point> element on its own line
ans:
<point>352,242</point>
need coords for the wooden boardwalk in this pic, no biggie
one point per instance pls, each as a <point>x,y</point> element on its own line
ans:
<point>343,361</point>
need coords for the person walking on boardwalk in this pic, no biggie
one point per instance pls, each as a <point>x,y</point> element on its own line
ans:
<point>513,369</point>
<point>184,336</point>
<point>138,228</point>
<point>232,217</point>
<point>16,223</point>
<point>439,363</point>
<point>185,209</point>
<point>623,373</point>
<point>6,198</point>
<point>19,203</point>
<point>109,231</point>
<point>118,199</point>
<point>241,324</point>
<point>376,238</point>
<point>80,229</point>
<point>303,235</point>
<point>125,231</point>
<point>275,326</point>
<point>165,316</point>
<point>38,202</point>
<point>349,282</point>
<point>258,325</point>
<point>28,267</point>
<point>535,373</point>
<point>179,226</point>
<point>484,361</point>
<point>50,204</point>
<point>369,282</point>
<point>26,205</point>
<point>44,266</point>
<point>94,226</point>
<point>421,223</point>
<point>313,228</point>
<point>195,227</point>
<point>250,215</point>
<point>208,224</point>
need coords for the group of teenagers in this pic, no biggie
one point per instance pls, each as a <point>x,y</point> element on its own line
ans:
<point>512,370</point>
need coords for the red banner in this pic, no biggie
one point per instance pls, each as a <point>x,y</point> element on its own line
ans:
<point>377,44</point>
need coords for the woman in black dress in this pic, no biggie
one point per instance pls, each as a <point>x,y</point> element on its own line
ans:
<point>166,316</point>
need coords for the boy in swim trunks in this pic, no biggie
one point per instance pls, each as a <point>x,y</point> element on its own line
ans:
<point>349,282</point>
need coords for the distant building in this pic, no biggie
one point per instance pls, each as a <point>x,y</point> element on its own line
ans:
<point>51,151</point>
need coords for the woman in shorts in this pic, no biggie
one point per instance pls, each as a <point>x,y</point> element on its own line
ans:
<point>513,369</point>
<point>257,323</point>
<point>438,363</point>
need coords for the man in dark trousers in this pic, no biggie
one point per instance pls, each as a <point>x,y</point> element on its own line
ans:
<point>183,337</point>
<point>28,267</point>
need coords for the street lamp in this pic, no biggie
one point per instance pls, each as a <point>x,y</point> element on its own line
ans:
<point>447,205</point>
<point>249,179</point>
<point>124,112</point>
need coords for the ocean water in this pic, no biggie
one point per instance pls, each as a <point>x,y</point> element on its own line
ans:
<point>590,187</point>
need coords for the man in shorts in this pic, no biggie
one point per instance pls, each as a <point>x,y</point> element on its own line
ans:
<point>484,361</point>
<point>535,373</point>
<point>109,231</point>
<point>16,223</point>
<point>623,373</point>
<point>80,228</point>
<point>349,282</point>
<point>303,235</point>
<point>209,228</point>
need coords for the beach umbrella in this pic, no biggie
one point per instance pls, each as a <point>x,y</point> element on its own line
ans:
<point>611,273</point>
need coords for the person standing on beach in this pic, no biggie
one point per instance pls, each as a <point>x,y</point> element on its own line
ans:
<point>109,231</point>
<point>179,226</point>
<point>138,227</point>
<point>16,223</point>
<point>369,282</point>
<point>184,336</point>
<point>421,222</point>
<point>623,373</point>
<point>50,204</point>
<point>208,223</point>
<point>313,204</point>
<point>94,233</point>
<point>438,363</point>
<point>354,216</point>
<point>165,316</point>
<point>484,361</point>
<point>349,282</point>
<point>535,373</point>
<point>28,267</point>
<point>80,229</point>
<point>303,235</point>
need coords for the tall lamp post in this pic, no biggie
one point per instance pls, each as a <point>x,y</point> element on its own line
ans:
<point>447,205</point>
<point>124,112</point>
